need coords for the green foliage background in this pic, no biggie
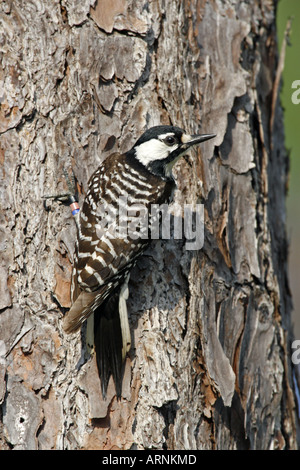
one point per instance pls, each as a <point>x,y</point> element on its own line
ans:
<point>286,9</point>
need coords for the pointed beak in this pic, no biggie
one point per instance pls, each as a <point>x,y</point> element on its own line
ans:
<point>189,140</point>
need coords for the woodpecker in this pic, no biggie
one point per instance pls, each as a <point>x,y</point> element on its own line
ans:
<point>103,259</point>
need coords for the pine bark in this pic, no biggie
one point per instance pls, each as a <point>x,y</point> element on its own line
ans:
<point>210,362</point>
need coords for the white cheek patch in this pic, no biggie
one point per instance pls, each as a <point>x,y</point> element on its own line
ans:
<point>153,150</point>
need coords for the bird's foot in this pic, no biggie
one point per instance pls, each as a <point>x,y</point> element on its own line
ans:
<point>68,197</point>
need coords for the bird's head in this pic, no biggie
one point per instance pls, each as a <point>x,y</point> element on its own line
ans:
<point>160,147</point>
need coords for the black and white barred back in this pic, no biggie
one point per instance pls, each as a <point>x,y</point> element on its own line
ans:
<point>102,261</point>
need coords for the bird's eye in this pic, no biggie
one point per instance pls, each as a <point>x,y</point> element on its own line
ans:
<point>170,140</point>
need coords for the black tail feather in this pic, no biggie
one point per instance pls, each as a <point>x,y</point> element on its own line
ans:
<point>108,343</point>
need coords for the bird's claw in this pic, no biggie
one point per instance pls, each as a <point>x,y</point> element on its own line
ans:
<point>68,197</point>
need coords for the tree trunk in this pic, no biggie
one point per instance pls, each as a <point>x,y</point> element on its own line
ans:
<point>209,366</point>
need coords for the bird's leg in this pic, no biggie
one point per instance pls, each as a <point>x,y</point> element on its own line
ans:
<point>70,197</point>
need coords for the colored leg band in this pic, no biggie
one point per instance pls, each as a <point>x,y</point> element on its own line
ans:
<point>74,208</point>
